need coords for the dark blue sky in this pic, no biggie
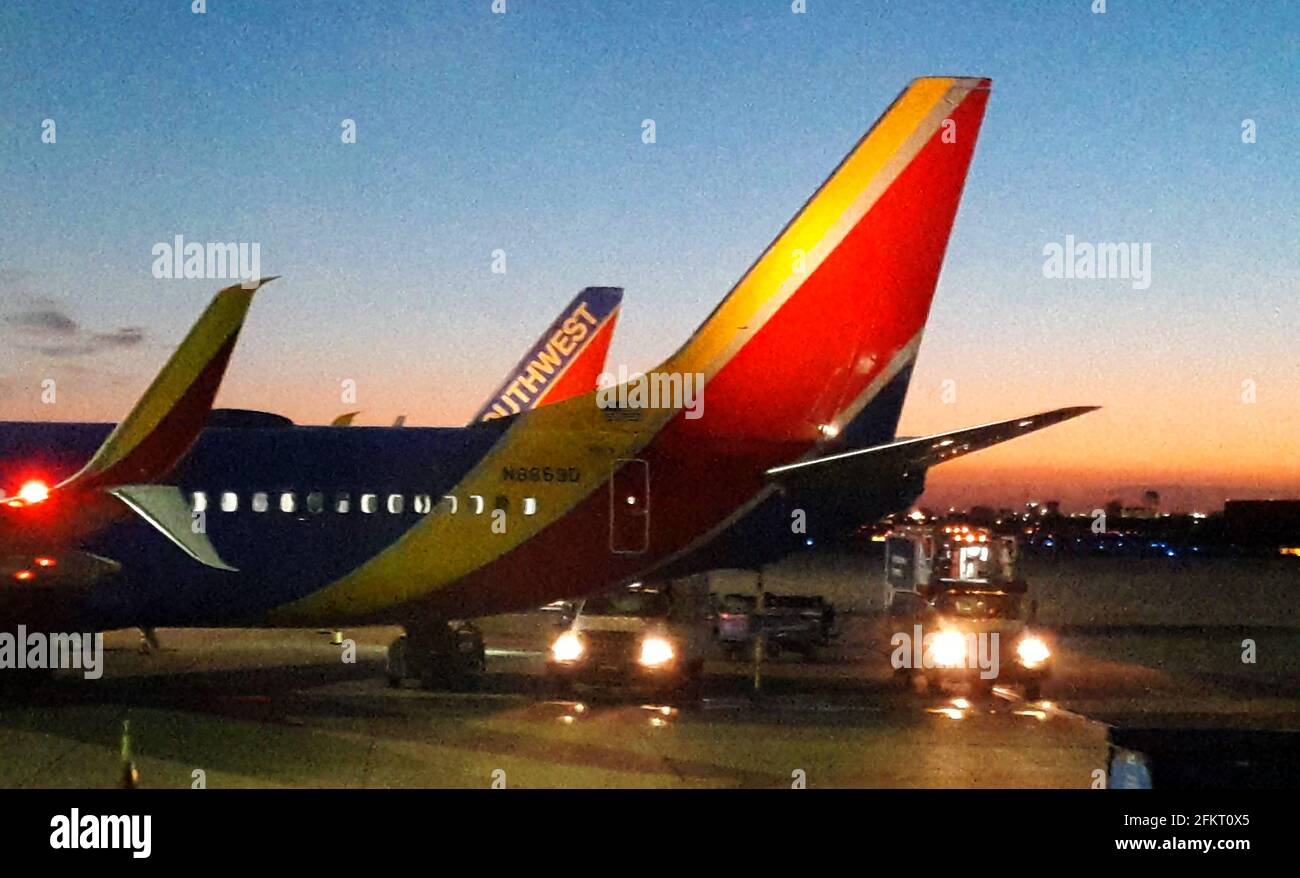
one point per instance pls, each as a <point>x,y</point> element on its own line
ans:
<point>523,132</point>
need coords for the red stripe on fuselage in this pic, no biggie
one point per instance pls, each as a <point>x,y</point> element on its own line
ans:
<point>822,348</point>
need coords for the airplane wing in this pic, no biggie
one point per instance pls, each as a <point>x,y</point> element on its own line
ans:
<point>907,456</point>
<point>565,362</point>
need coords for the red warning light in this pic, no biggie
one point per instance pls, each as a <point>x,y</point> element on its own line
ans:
<point>33,492</point>
<point>44,561</point>
<point>24,575</point>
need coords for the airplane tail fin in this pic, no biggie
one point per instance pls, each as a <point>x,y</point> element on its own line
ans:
<point>169,417</point>
<point>565,362</point>
<point>833,311</point>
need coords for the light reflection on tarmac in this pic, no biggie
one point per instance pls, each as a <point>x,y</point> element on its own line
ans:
<point>266,708</point>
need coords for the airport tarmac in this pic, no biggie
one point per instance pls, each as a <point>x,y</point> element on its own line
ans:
<point>280,708</point>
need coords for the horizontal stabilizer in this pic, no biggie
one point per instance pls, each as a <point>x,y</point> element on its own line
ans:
<point>165,507</point>
<point>907,456</point>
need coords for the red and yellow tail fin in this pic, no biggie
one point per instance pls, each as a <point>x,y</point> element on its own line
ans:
<point>169,417</point>
<point>837,303</point>
<point>565,362</point>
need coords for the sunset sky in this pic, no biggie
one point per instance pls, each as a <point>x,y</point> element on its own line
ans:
<point>522,132</point>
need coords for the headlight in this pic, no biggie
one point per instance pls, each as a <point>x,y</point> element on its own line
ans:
<point>948,650</point>
<point>1032,651</point>
<point>655,651</point>
<point>567,647</point>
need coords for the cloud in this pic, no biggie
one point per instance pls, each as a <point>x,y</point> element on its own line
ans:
<point>50,321</point>
<point>49,331</point>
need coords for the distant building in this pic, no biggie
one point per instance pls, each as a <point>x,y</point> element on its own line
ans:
<point>1271,523</point>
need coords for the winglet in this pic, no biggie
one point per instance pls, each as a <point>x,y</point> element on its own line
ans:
<point>171,414</point>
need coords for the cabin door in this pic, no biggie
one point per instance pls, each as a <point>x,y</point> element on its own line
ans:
<point>629,507</point>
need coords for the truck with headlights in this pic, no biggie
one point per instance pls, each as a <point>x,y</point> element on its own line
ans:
<point>959,612</point>
<point>640,637</point>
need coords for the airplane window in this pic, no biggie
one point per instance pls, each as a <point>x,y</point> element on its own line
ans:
<point>288,502</point>
<point>260,501</point>
<point>449,503</point>
<point>229,501</point>
<point>502,503</point>
<point>423,503</point>
<point>395,504</point>
<point>342,502</point>
<point>315,502</point>
<point>478,503</point>
<point>530,506</point>
<point>200,501</point>
<point>369,503</point>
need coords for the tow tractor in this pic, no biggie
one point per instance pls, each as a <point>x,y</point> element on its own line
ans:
<point>960,611</point>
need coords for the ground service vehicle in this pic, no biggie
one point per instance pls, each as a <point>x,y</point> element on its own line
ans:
<point>959,611</point>
<point>798,623</point>
<point>640,637</point>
